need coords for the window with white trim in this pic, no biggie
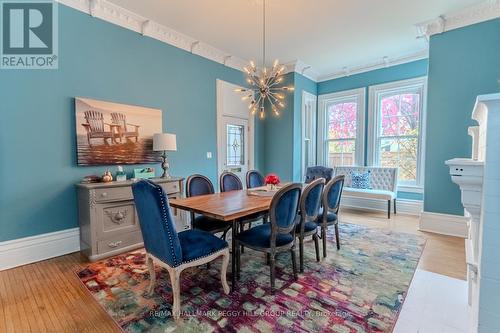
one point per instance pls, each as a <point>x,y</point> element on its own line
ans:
<point>341,128</point>
<point>396,119</point>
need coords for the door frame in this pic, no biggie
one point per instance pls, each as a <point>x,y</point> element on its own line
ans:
<point>308,97</point>
<point>221,113</point>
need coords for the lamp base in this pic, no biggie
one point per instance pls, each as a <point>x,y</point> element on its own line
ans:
<point>165,166</point>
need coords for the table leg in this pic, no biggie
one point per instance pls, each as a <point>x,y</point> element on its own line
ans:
<point>233,255</point>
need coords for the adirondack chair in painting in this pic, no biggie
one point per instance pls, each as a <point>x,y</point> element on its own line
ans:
<point>95,127</point>
<point>124,128</point>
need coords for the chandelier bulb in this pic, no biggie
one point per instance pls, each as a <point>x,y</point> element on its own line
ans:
<point>262,114</point>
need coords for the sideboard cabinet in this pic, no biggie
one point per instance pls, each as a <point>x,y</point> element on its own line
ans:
<point>108,220</point>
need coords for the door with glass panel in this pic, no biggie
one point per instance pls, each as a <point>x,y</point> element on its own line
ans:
<point>234,152</point>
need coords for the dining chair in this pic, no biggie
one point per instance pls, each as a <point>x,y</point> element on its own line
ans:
<point>278,235</point>
<point>200,185</point>
<point>254,179</point>
<point>316,172</point>
<point>169,249</point>
<point>228,181</point>
<point>329,213</point>
<point>310,203</point>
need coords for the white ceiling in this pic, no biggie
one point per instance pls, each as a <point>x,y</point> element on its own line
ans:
<point>325,34</point>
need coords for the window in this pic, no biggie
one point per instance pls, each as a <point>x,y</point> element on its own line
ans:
<point>341,128</point>
<point>235,153</point>
<point>396,125</point>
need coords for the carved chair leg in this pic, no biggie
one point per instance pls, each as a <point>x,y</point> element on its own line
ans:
<point>294,263</point>
<point>394,206</point>
<point>175,277</point>
<point>388,209</point>
<point>316,246</point>
<point>152,275</point>
<point>337,236</point>
<point>323,236</point>
<point>301,254</point>
<point>223,273</point>
<point>271,266</point>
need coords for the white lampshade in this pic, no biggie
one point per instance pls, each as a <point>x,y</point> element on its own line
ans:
<point>164,141</point>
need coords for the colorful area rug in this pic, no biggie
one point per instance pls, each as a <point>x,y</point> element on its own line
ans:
<point>360,288</point>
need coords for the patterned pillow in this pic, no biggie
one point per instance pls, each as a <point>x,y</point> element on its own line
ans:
<point>361,180</point>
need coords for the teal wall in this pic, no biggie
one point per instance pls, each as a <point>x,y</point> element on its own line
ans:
<point>463,63</point>
<point>103,61</point>
<point>364,80</point>
<point>282,149</point>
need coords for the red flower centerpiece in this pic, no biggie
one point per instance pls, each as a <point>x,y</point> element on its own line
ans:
<point>272,180</point>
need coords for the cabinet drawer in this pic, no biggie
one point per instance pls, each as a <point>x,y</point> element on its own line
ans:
<point>118,242</point>
<point>116,218</point>
<point>113,194</point>
<point>172,187</point>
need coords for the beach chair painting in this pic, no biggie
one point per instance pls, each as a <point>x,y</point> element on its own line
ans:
<point>96,127</point>
<point>114,134</point>
<point>125,130</point>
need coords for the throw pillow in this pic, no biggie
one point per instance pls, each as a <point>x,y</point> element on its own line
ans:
<point>361,180</point>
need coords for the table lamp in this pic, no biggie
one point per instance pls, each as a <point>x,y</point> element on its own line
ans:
<point>165,142</point>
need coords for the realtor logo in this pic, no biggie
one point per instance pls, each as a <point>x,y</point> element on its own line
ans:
<point>29,35</point>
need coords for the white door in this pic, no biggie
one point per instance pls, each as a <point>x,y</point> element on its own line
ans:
<point>234,150</point>
<point>234,131</point>
<point>308,131</point>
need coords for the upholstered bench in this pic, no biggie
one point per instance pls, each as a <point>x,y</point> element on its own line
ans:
<point>382,184</point>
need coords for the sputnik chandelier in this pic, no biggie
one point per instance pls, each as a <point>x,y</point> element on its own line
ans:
<point>264,84</point>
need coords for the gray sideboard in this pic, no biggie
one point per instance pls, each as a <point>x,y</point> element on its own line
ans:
<point>108,221</point>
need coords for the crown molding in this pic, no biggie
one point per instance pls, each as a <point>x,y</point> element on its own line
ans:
<point>112,13</point>
<point>301,68</point>
<point>484,11</point>
<point>382,63</point>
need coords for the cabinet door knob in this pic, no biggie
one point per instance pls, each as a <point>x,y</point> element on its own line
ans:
<point>104,194</point>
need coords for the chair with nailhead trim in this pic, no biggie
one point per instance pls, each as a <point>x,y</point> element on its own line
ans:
<point>169,249</point>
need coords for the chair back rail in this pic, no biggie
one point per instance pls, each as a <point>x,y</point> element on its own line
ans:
<point>156,222</point>
<point>283,211</point>
<point>332,195</point>
<point>310,202</point>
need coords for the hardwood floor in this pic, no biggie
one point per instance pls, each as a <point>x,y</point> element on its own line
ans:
<point>47,296</point>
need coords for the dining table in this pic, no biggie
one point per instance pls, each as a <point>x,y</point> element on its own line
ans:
<point>231,207</point>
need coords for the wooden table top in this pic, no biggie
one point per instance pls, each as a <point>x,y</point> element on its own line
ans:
<point>227,206</point>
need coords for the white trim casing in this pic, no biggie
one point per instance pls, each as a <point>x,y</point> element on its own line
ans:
<point>120,16</point>
<point>323,100</point>
<point>31,249</point>
<point>375,64</point>
<point>308,118</point>
<point>444,224</point>
<point>484,11</point>
<point>373,127</point>
<point>404,206</point>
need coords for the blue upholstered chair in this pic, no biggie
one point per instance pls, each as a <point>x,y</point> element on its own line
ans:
<point>169,249</point>
<point>329,214</point>
<point>316,172</point>
<point>310,203</point>
<point>254,179</point>
<point>278,235</point>
<point>201,185</point>
<point>228,181</point>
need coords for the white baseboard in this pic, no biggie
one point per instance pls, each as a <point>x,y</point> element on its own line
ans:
<point>27,250</point>
<point>451,225</point>
<point>403,206</point>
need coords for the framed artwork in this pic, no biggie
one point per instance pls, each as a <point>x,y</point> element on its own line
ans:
<point>109,133</point>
